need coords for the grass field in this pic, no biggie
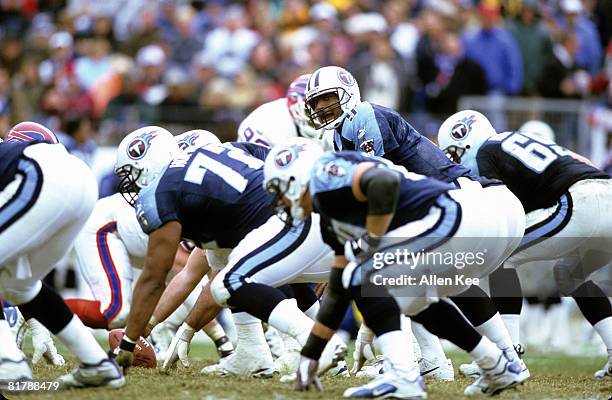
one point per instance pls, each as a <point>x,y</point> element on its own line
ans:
<point>553,377</point>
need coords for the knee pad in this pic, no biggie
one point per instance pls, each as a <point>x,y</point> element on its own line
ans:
<point>20,292</point>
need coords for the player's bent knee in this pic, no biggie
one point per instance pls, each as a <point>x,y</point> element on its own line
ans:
<point>218,290</point>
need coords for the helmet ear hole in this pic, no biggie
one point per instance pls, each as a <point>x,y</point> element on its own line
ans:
<point>467,146</point>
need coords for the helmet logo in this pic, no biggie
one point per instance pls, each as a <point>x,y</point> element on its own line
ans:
<point>284,158</point>
<point>139,146</point>
<point>188,141</point>
<point>461,129</point>
<point>345,77</point>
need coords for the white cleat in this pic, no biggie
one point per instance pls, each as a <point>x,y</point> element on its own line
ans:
<point>14,371</point>
<point>606,371</point>
<point>471,370</point>
<point>389,385</point>
<point>243,366</point>
<point>104,374</point>
<point>504,375</point>
<point>437,370</point>
<point>372,371</point>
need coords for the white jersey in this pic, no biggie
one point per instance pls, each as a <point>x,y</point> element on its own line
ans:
<point>268,125</point>
<point>271,124</point>
<point>107,248</point>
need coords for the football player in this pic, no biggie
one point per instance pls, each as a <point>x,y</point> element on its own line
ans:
<point>567,203</point>
<point>273,122</point>
<point>368,205</point>
<point>214,197</point>
<point>108,247</point>
<point>333,101</point>
<point>47,195</point>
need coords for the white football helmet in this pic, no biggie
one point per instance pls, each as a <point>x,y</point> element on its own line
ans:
<point>336,80</point>
<point>539,129</point>
<point>462,134</point>
<point>141,157</point>
<point>296,102</point>
<point>287,172</point>
<point>197,138</point>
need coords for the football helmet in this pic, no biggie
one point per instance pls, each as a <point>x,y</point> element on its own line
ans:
<point>336,80</point>
<point>29,131</point>
<point>287,172</point>
<point>296,101</point>
<point>462,134</point>
<point>141,157</point>
<point>539,129</point>
<point>197,138</point>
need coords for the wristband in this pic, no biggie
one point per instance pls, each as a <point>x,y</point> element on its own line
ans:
<point>127,344</point>
<point>314,347</point>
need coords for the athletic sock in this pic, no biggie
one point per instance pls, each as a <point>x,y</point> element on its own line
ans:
<point>79,340</point>
<point>286,317</point>
<point>396,346</point>
<point>485,354</point>
<point>496,331</point>
<point>513,325</point>
<point>431,348</point>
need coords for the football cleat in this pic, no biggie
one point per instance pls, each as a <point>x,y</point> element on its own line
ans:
<point>606,371</point>
<point>233,365</point>
<point>505,374</point>
<point>14,371</point>
<point>438,370</point>
<point>389,385</point>
<point>471,370</point>
<point>374,370</point>
<point>104,374</point>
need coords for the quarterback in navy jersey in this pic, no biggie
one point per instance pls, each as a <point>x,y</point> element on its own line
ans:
<point>371,205</point>
<point>333,101</point>
<point>566,199</point>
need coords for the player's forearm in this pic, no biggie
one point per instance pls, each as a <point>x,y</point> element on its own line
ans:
<point>147,293</point>
<point>175,294</point>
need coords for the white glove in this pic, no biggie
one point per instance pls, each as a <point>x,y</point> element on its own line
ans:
<point>43,344</point>
<point>306,375</point>
<point>364,351</point>
<point>179,347</point>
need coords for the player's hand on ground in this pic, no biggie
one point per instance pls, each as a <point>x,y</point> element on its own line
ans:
<point>179,347</point>
<point>306,376</point>
<point>43,344</point>
<point>123,354</point>
<point>364,350</point>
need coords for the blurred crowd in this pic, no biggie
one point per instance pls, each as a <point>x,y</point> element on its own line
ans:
<point>84,66</point>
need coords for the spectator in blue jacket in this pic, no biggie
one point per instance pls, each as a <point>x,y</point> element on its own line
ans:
<point>589,45</point>
<point>493,47</point>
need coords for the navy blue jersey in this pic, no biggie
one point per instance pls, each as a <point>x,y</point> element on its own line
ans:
<point>10,152</point>
<point>331,191</point>
<point>215,192</point>
<point>538,172</point>
<point>380,131</point>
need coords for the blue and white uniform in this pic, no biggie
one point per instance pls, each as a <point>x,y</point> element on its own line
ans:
<point>380,131</point>
<point>215,192</point>
<point>430,217</point>
<point>567,203</point>
<point>46,195</point>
